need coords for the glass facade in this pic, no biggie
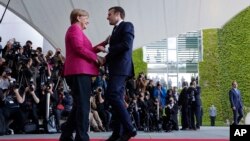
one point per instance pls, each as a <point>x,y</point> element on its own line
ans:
<point>174,59</point>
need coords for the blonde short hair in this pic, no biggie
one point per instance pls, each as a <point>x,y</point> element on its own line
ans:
<point>77,12</point>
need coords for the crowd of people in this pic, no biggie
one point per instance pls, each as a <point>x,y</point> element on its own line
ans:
<point>27,76</point>
<point>48,93</point>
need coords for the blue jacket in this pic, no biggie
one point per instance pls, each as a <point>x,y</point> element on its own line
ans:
<point>163,96</point>
<point>235,98</point>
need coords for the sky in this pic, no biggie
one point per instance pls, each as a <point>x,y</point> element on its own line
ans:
<point>14,27</point>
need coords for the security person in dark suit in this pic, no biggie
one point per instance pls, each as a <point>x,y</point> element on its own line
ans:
<point>183,103</point>
<point>236,103</point>
<point>195,106</point>
<point>120,68</point>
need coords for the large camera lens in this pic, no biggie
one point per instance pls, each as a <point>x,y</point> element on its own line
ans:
<point>99,90</point>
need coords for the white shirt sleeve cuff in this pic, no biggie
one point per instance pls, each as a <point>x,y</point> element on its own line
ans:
<point>107,49</point>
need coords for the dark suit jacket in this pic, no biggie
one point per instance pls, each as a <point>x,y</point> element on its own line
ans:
<point>235,99</point>
<point>183,98</point>
<point>119,58</point>
<point>196,94</point>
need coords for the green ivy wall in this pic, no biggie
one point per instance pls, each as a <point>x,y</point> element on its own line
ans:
<point>234,52</point>
<point>139,65</point>
<point>209,74</point>
<point>226,58</point>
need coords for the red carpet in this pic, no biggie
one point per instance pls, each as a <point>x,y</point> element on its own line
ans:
<point>130,140</point>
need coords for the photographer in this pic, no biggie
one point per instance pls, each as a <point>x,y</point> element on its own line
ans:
<point>26,73</point>
<point>58,61</point>
<point>5,79</point>
<point>95,120</point>
<point>133,109</point>
<point>27,48</point>
<point>64,105</point>
<point>11,100</point>
<point>29,106</point>
<point>151,113</point>
<point>58,57</point>
<point>141,83</point>
<point>47,88</point>
<point>7,53</point>
<point>105,115</point>
<point>171,111</point>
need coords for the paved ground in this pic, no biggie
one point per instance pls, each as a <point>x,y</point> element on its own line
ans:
<point>203,133</point>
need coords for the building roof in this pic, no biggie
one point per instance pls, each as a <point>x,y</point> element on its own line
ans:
<point>153,19</point>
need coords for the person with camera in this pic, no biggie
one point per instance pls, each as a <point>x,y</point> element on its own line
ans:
<point>10,102</point>
<point>161,94</point>
<point>150,119</point>
<point>47,106</point>
<point>141,83</point>
<point>58,57</point>
<point>38,57</point>
<point>28,48</point>
<point>6,78</point>
<point>104,114</point>
<point>63,105</point>
<point>58,61</point>
<point>171,111</point>
<point>95,120</point>
<point>29,108</point>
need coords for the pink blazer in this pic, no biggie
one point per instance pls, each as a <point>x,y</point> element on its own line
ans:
<point>80,55</point>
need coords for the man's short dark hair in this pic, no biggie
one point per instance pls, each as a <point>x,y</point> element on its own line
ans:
<point>28,42</point>
<point>118,9</point>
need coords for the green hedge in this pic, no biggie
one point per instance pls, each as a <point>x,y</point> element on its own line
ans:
<point>208,74</point>
<point>139,65</point>
<point>234,52</point>
<point>226,58</point>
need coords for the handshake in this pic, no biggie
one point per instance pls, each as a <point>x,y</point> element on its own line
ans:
<point>101,48</point>
<point>100,60</point>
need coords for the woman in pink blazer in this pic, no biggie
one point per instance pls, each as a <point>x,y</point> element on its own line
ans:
<point>80,65</point>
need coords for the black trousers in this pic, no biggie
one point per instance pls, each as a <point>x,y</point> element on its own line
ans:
<point>115,96</point>
<point>237,115</point>
<point>78,119</point>
<point>212,119</point>
<point>184,117</point>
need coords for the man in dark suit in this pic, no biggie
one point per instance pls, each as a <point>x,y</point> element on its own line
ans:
<point>236,103</point>
<point>194,106</point>
<point>183,103</point>
<point>120,68</point>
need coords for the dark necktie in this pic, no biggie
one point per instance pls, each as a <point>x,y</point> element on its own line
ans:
<point>114,29</point>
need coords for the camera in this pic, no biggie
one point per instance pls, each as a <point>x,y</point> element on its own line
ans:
<point>16,45</point>
<point>33,54</point>
<point>96,91</point>
<point>99,89</point>
<point>31,85</point>
<point>60,90</point>
<point>13,85</point>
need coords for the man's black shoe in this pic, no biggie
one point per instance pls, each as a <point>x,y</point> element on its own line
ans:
<point>113,138</point>
<point>66,138</point>
<point>127,136</point>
